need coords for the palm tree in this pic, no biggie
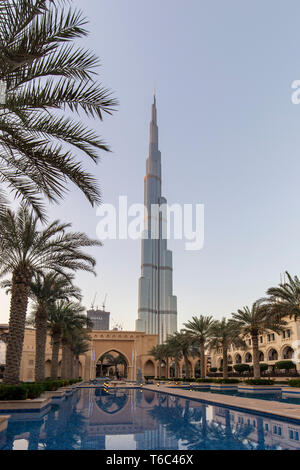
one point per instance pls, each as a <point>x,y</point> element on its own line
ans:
<point>26,250</point>
<point>285,299</point>
<point>183,342</point>
<point>57,317</point>
<point>175,352</point>
<point>80,345</point>
<point>199,329</point>
<point>223,333</point>
<point>255,321</point>
<point>159,355</point>
<point>45,290</point>
<point>43,75</point>
<point>74,320</point>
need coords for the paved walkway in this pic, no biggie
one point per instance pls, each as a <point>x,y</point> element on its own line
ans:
<point>285,410</point>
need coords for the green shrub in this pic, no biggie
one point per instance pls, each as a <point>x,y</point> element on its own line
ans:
<point>213,369</point>
<point>294,383</point>
<point>241,367</point>
<point>13,392</point>
<point>263,367</point>
<point>259,382</point>
<point>226,381</point>
<point>203,380</point>
<point>286,365</point>
<point>34,390</point>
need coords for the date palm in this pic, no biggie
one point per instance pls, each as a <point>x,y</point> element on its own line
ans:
<point>45,290</point>
<point>64,316</point>
<point>199,329</point>
<point>285,299</point>
<point>183,343</point>
<point>45,80</point>
<point>223,334</point>
<point>76,334</point>
<point>27,249</point>
<point>175,353</point>
<point>255,321</point>
<point>159,355</point>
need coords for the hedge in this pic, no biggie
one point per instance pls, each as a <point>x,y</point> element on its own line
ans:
<point>241,367</point>
<point>226,381</point>
<point>204,380</point>
<point>259,382</point>
<point>31,390</point>
<point>294,383</point>
<point>285,365</point>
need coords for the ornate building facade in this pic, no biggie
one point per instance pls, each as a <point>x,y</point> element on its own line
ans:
<point>273,347</point>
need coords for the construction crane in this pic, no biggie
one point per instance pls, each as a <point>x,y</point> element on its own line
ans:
<point>93,303</point>
<point>104,302</point>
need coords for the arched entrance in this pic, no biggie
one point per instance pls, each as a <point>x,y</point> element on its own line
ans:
<point>272,355</point>
<point>248,358</point>
<point>238,359</point>
<point>112,364</point>
<point>261,356</point>
<point>149,369</point>
<point>287,352</point>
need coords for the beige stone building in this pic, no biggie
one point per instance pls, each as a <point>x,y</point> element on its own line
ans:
<point>134,346</point>
<point>273,347</point>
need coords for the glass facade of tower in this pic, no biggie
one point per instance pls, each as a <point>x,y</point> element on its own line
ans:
<point>157,311</point>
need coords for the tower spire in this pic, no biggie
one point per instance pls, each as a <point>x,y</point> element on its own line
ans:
<point>153,148</point>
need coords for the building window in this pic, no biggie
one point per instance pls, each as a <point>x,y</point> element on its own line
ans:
<point>286,334</point>
<point>261,339</point>
<point>31,362</point>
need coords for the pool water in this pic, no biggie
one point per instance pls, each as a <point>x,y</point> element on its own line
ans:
<point>94,418</point>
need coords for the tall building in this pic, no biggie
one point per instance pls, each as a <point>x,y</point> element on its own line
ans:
<point>99,318</point>
<point>157,310</point>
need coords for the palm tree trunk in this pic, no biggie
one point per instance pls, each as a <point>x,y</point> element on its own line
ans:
<point>76,368</point>
<point>55,354</point>
<point>167,368</point>
<point>69,363</point>
<point>202,360</point>
<point>256,368</point>
<point>225,363</point>
<point>40,343</point>
<point>187,367</point>
<point>64,359</point>
<point>177,369</point>
<point>18,308</point>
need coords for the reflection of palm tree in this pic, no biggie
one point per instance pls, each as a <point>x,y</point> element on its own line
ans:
<point>72,425</point>
<point>110,402</point>
<point>190,426</point>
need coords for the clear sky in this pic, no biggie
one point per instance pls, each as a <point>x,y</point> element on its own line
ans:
<point>229,137</point>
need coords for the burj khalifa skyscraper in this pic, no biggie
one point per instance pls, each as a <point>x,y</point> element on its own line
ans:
<point>157,306</point>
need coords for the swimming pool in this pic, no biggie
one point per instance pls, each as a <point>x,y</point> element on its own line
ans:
<point>94,418</point>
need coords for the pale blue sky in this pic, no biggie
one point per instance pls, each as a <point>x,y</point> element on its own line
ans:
<point>229,137</point>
